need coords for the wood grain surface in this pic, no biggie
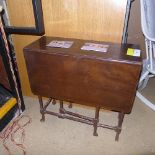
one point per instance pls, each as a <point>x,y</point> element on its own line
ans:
<point>100,79</point>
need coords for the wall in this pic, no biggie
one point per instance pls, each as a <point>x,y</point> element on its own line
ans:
<point>84,19</point>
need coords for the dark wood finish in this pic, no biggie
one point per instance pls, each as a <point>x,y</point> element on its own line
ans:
<point>64,114</point>
<point>102,80</point>
<point>108,80</point>
<point>120,121</point>
<point>96,120</point>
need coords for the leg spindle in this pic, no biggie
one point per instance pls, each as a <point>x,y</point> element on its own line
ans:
<point>96,120</point>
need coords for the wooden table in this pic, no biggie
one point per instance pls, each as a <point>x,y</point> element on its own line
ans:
<point>101,80</point>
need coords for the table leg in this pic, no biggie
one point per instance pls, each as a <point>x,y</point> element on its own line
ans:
<point>70,105</point>
<point>61,110</point>
<point>96,120</point>
<point>41,109</point>
<point>54,102</point>
<point>120,121</point>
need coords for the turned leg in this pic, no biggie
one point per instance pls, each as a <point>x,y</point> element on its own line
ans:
<point>96,120</point>
<point>54,102</point>
<point>70,105</point>
<point>120,121</point>
<point>61,110</point>
<point>41,109</point>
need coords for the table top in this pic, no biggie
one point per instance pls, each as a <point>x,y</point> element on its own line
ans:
<point>116,52</point>
<point>108,80</point>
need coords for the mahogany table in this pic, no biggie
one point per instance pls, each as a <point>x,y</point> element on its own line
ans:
<point>102,80</point>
